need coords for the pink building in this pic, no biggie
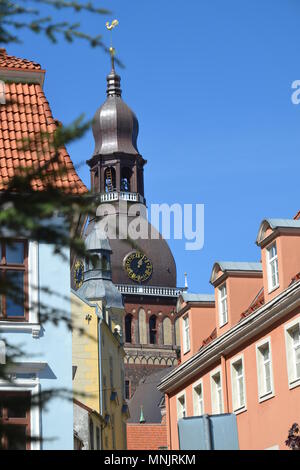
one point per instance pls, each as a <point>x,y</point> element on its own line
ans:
<point>240,348</point>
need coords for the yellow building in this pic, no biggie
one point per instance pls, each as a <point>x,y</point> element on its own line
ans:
<point>100,410</point>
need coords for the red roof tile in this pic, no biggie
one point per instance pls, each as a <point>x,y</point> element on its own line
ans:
<point>210,338</point>
<point>257,302</point>
<point>24,116</point>
<point>10,61</point>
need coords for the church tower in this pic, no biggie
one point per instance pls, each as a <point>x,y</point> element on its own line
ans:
<point>144,271</point>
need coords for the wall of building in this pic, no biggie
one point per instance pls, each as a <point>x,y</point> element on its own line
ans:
<point>52,344</point>
<point>202,321</point>
<point>85,353</point>
<point>261,424</point>
<point>146,436</point>
<point>112,353</point>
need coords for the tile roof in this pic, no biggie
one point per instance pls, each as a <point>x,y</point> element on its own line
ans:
<point>10,61</point>
<point>239,266</point>
<point>283,223</point>
<point>149,397</point>
<point>25,115</point>
<point>190,297</point>
<point>257,302</point>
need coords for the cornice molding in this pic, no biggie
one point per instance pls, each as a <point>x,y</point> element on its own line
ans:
<point>246,329</point>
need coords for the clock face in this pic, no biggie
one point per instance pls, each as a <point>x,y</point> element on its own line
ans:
<point>138,267</point>
<point>78,274</point>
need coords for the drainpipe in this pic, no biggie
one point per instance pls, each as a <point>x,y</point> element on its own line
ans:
<point>167,398</point>
<point>224,370</point>
<point>207,433</point>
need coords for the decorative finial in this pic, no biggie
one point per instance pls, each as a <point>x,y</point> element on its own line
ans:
<point>142,418</point>
<point>113,80</point>
<point>112,50</point>
<point>185,281</point>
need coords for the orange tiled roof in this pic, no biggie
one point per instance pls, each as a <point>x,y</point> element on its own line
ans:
<point>10,61</point>
<point>210,338</point>
<point>257,302</point>
<point>297,216</point>
<point>26,115</point>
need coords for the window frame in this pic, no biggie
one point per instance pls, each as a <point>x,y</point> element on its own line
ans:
<point>178,397</point>
<point>15,421</point>
<point>9,267</point>
<point>32,387</point>
<point>262,394</point>
<point>238,407</point>
<point>196,400</point>
<point>221,299</point>
<point>269,261</point>
<point>215,372</point>
<point>186,334</point>
<point>293,380</point>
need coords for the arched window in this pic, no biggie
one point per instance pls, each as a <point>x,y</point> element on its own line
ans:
<point>152,329</point>
<point>125,179</point>
<point>110,179</point>
<point>142,327</point>
<point>177,332</point>
<point>128,326</point>
<point>167,331</point>
<point>105,263</point>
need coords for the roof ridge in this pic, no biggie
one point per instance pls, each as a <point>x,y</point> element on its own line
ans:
<point>13,62</point>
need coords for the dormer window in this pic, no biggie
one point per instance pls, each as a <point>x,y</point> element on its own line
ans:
<point>223,310</point>
<point>272,267</point>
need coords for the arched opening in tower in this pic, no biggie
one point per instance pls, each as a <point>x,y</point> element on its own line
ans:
<point>128,326</point>
<point>110,179</point>
<point>152,329</point>
<point>125,179</point>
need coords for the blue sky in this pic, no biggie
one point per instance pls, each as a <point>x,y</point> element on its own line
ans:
<point>210,82</point>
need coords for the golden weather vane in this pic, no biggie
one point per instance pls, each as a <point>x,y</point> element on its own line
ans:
<point>110,28</point>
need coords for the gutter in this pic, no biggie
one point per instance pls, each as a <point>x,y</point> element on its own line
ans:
<point>241,332</point>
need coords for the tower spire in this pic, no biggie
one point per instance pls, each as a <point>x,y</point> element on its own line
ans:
<point>113,79</point>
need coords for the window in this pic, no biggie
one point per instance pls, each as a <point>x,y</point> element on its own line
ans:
<point>223,311</point>
<point>91,435</point>
<point>216,393</point>
<point>198,399</point>
<point>238,385</point>
<point>127,389</point>
<point>110,179</point>
<point>14,272</point>
<point>293,352</point>
<point>186,334</point>
<point>125,179</point>
<point>128,326</point>
<point>181,407</point>
<point>264,370</point>
<point>14,421</point>
<point>152,329</point>
<point>272,267</point>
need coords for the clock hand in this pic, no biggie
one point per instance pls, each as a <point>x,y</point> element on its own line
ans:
<point>140,262</point>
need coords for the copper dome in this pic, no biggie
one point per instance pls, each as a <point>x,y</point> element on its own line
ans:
<point>115,126</point>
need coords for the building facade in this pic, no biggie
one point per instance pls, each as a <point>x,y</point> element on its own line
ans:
<point>240,349</point>
<point>42,280</point>
<point>98,354</point>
